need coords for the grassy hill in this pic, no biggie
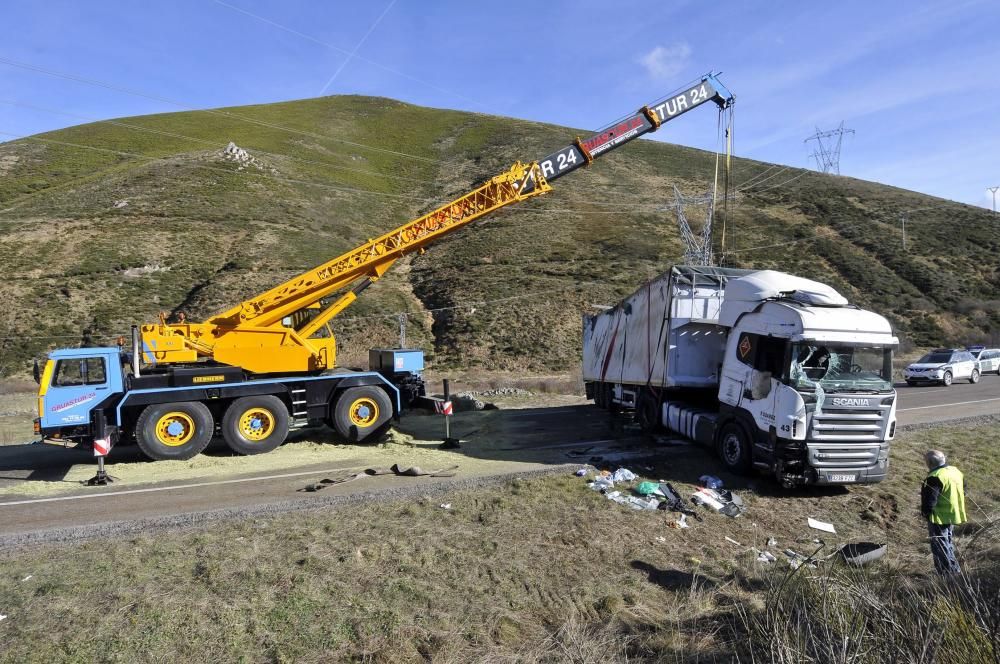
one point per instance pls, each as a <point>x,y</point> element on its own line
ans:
<point>106,224</point>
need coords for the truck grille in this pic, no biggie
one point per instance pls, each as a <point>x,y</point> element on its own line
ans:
<point>839,456</point>
<point>851,424</point>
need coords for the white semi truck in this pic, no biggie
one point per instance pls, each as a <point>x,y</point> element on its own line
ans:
<point>775,372</point>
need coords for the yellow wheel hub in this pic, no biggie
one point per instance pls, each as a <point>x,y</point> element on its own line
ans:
<point>175,429</point>
<point>256,424</point>
<point>364,412</point>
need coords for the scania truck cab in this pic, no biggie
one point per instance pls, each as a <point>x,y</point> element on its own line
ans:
<point>774,372</point>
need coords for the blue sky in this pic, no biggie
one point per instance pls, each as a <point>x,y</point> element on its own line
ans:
<point>917,81</point>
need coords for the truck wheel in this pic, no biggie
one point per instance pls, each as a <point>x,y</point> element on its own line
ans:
<point>254,425</point>
<point>734,448</point>
<point>361,412</point>
<point>974,378</point>
<point>609,396</point>
<point>599,399</point>
<point>946,381</point>
<point>648,413</point>
<point>175,431</point>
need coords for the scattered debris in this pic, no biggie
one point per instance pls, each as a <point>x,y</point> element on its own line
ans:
<point>3,617</point>
<point>725,502</point>
<point>731,540</point>
<point>772,542</point>
<point>673,502</point>
<point>710,482</point>
<point>623,475</point>
<point>862,553</point>
<point>412,471</point>
<point>118,205</point>
<point>445,506</point>
<point>661,539</point>
<point>796,559</point>
<point>766,557</point>
<point>581,473</point>
<point>27,578</point>
<point>821,525</point>
<point>648,489</point>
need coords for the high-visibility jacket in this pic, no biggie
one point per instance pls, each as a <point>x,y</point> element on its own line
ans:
<point>950,506</point>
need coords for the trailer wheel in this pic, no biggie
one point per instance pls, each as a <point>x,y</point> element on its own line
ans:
<point>648,412</point>
<point>254,425</point>
<point>177,431</point>
<point>734,448</point>
<point>361,412</point>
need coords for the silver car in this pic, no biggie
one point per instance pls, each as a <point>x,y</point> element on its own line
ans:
<point>944,365</point>
<point>989,359</point>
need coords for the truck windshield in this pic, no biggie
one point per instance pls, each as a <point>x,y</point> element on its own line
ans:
<point>840,368</point>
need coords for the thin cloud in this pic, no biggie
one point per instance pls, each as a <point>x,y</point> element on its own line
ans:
<point>666,61</point>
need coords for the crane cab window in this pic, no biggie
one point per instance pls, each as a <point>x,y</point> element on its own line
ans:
<point>82,371</point>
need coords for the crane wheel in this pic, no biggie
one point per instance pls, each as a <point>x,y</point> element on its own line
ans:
<point>174,431</point>
<point>361,412</point>
<point>254,425</point>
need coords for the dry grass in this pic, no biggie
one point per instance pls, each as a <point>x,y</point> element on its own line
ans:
<point>542,570</point>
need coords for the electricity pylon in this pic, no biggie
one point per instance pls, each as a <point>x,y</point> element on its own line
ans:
<point>827,153</point>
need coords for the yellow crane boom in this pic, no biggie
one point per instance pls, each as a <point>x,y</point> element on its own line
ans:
<point>274,332</point>
<point>253,334</point>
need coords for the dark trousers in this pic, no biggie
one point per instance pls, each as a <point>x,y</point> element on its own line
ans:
<point>943,548</point>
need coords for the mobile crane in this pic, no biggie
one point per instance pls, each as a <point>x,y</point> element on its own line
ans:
<point>262,367</point>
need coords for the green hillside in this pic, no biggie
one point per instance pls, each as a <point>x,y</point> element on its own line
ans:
<point>107,224</point>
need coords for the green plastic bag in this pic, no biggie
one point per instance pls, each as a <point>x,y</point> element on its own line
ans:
<point>646,488</point>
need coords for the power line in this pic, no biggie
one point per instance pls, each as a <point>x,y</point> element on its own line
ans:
<point>355,49</point>
<point>206,141</point>
<point>236,116</point>
<point>311,183</point>
<point>348,53</point>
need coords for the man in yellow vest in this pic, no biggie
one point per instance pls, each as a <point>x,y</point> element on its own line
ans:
<point>942,502</point>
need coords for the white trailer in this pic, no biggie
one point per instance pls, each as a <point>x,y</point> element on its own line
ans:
<point>775,372</point>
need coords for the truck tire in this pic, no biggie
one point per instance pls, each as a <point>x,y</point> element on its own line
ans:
<point>254,425</point>
<point>734,448</point>
<point>974,378</point>
<point>361,412</point>
<point>599,396</point>
<point>648,412</point>
<point>174,431</point>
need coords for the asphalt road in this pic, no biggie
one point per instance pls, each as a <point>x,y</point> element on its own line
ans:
<point>509,441</point>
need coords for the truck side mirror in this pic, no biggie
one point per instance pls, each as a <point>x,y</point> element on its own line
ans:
<point>36,373</point>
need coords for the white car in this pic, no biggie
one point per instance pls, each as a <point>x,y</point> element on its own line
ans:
<point>944,366</point>
<point>989,359</point>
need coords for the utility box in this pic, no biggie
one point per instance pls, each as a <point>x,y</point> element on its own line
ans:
<point>396,360</point>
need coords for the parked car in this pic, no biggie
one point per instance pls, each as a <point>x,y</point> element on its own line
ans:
<point>944,365</point>
<point>988,358</point>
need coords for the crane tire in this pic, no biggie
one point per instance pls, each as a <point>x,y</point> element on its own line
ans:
<point>174,431</point>
<point>361,412</point>
<point>255,425</point>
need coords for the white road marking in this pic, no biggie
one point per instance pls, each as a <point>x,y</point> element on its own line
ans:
<point>945,405</point>
<point>107,494</point>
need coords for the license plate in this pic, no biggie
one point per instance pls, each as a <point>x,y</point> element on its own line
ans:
<point>834,477</point>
